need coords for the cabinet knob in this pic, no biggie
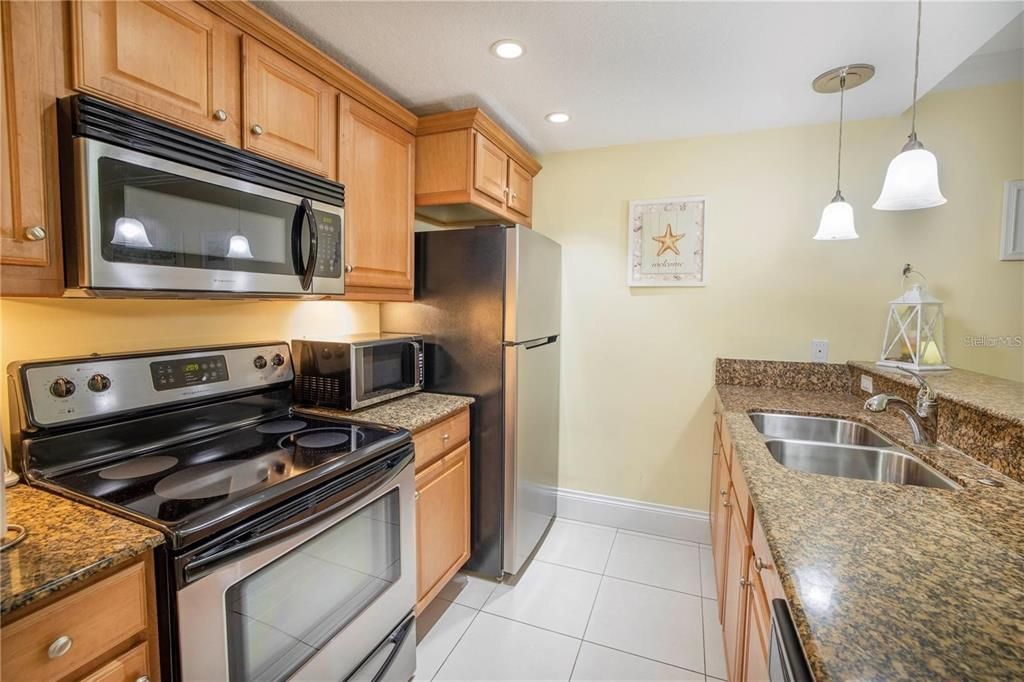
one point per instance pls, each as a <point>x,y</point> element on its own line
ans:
<point>144,678</point>
<point>721,493</point>
<point>35,233</point>
<point>348,267</point>
<point>444,437</point>
<point>59,647</point>
<point>257,129</point>
<point>758,564</point>
<point>744,583</point>
<point>416,495</point>
<point>514,196</point>
<point>726,503</point>
<point>220,115</point>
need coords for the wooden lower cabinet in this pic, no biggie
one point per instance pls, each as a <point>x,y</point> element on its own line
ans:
<point>104,631</point>
<point>745,574</point>
<point>442,523</point>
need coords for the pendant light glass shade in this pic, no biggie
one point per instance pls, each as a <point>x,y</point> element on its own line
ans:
<point>238,247</point>
<point>131,232</point>
<point>837,221</point>
<point>912,181</point>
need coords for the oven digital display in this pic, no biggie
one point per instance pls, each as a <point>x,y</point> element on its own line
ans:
<point>168,374</point>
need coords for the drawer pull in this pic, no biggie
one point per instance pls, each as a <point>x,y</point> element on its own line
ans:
<point>416,495</point>
<point>348,267</point>
<point>220,115</point>
<point>444,437</point>
<point>59,647</point>
<point>144,678</point>
<point>758,564</point>
<point>726,503</point>
<point>257,129</point>
<point>744,583</point>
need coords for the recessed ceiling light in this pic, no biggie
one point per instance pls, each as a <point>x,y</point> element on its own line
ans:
<point>508,49</point>
<point>557,117</point>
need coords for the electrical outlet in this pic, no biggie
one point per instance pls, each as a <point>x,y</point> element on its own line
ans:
<point>867,384</point>
<point>819,350</point>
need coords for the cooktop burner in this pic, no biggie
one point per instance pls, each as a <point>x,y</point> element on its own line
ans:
<point>213,479</point>
<point>136,468</point>
<point>323,438</point>
<point>281,426</point>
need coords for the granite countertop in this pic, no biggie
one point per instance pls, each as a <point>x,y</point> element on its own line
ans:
<point>887,581</point>
<point>413,412</point>
<point>1001,397</point>
<point>67,542</point>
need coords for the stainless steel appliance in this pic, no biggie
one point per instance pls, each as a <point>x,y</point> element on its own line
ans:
<point>786,660</point>
<point>150,209</point>
<point>290,539</point>
<point>488,303</point>
<point>354,372</point>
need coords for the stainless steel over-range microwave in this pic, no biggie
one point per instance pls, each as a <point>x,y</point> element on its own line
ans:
<point>357,371</point>
<point>153,210</point>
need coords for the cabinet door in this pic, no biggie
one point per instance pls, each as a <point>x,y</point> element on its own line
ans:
<point>720,539</point>
<point>735,595</point>
<point>442,522</point>
<point>377,167</point>
<point>520,191</point>
<point>490,169</point>
<point>29,218</point>
<point>172,60</point>
<point>755,661</point>
<point>288,113</point>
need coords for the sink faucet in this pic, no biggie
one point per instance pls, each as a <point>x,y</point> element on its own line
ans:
<point>922,416</point>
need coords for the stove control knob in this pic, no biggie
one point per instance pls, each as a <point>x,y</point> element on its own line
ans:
<point>277,360</point>
<point>260,362</point>
<point>98,383</point>
<point>62,387</point>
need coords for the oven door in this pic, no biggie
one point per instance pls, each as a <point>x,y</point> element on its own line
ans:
<point>321,590</point>
<point>146,224</point>
<point>386,369</point>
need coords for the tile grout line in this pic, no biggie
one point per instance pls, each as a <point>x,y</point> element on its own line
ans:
<point>593,603</point>
<point>459,640</point>
<point>703,633</point>
<point>648,658</point>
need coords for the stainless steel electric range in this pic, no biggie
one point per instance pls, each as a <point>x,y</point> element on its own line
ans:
<point>290,548</point>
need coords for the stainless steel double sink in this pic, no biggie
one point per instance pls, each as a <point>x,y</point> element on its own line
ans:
<point>839,447</point>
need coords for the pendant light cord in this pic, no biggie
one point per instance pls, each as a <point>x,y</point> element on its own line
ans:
<point>839,156</point>
<point>917,60</point>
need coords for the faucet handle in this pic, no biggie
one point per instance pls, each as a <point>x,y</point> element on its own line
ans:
<point>924,391</point>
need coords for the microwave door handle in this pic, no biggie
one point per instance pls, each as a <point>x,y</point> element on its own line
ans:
<point>417,367</point>
<point>384,476</point>
<point>310,268</point>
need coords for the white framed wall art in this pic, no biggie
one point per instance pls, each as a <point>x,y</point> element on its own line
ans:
<point>667,242</point>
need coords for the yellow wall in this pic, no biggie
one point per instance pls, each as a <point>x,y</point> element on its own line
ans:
<point>638,364</point>
<point>34,329</point>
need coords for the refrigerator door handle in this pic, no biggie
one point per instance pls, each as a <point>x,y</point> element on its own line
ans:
<point>535,343</point>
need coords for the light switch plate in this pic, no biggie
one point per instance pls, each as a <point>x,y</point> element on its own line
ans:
<point>867,384</point>
<point>819,350</point>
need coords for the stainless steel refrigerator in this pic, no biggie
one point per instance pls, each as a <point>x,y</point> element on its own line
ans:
<point>488,304</point>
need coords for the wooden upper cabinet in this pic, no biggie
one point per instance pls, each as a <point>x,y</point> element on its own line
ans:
<point>376,165</point>
<point>471,172</point>
<point>490,169</point>
<point>289,114</point>
<point>520,191</point>
<point>29,216</point>
<point>170,59</point>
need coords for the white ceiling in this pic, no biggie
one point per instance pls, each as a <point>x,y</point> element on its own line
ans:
<point>999,60</point>
<point>640,71</point>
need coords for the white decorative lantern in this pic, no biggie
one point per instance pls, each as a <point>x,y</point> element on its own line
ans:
<point>914,331</point>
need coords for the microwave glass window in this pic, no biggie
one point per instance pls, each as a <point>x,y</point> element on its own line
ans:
<point>153,217</point>
<point>385,368</point>
<point>280,616</point>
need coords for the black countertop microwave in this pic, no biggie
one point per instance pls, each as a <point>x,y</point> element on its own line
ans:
<point>150,209</point>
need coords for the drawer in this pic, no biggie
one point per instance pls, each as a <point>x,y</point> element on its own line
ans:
<point>434,441</point>
<point>764,564</point>
<point>131,666</point>
<point>93,621</point>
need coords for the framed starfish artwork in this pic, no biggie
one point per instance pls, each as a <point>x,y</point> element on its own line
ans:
<point>666,242</point>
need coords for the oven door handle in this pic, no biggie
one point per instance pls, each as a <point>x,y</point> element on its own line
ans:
<point>310,268</point>
<point>384,474</point>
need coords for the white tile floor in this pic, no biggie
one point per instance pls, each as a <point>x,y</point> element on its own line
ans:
<point>596,603</point>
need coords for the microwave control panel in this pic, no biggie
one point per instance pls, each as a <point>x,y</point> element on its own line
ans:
<point>328,248</point>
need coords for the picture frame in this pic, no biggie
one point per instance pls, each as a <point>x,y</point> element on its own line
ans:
<point>667,242</point>
<point>1012,242</point>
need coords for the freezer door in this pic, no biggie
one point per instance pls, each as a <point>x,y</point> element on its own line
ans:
<point>531,446</point>
<point>533,285</point>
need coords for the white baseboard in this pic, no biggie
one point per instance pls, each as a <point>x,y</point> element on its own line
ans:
<point>644,517</point>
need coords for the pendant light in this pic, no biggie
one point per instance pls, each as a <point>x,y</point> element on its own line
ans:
<point>837,218</point>
<point>912,180</point>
